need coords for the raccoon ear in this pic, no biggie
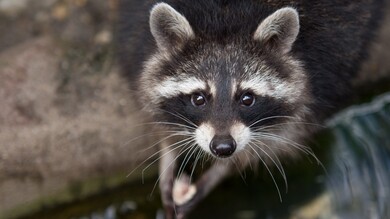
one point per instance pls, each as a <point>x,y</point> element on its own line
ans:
<point>279,30</point>
<point>169,28</point>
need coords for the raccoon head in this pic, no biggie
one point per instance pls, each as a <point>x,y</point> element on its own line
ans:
<point>233,94</point>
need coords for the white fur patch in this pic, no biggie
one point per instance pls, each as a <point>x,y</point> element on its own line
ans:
<point>241,134</point>
<point>234,87</point>
<point>273,87</point>
<point>213,89</point>
<point>174,86</point>
<point>203,135</point>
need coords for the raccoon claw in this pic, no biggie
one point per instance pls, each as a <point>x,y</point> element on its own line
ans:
<point>183,191</point>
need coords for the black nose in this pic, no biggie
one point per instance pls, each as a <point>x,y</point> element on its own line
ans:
<point>223,145</point>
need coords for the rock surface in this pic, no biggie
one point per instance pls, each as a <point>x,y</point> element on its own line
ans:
<point>65,114</point>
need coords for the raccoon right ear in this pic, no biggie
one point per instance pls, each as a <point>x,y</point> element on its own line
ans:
<point>279,30</point>
<point>169,28</point>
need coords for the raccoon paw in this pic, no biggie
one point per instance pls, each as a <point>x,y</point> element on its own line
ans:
<point>183,190</point>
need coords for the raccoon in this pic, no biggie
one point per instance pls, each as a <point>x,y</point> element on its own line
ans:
<point>241,82</point>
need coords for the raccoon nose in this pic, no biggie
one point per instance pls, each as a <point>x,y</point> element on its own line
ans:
<point>222,145</point>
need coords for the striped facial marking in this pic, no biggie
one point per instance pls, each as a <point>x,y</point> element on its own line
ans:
<point>203,135</point>
<point>241,134</point>
<point>174,86</point>
<point>272,87</point>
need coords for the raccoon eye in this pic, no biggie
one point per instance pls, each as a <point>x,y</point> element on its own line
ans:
<point>197,99</point>
<point>247,99</point>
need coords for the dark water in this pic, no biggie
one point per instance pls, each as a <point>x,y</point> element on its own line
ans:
<point>360,174</point>
<point>354,183</point>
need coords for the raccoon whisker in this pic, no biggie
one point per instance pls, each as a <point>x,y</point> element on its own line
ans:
<point>170,123</point>
<point>173,147</point>
<point>239,162</point>
<point>277,127</point>
<point>287,123</point>
<point>268,128</point>
<point>278,164</point>
<point>303,123</point>
<point>154,154</point>
<point>195,163</point>
<point>171,127</point>
<point>175,134</point>
<point>269,171</point>
<point>261,116</point>
<point>161,156</point>
<point>276,156</point>
<point>246,152</point>
<point>187,157</point>
<point>243,176</point>
<point>303,148</point>
<point>206,158</point>
<point>281,148</point>
<point>203,159</point>
<point>293,143</point>
<point>171,163</point>
<point>186,119</point>
<point>180,116</point>
<point>143,124</point>
<point>188,150</point>
<point>178,132</point>
<point>152,123</point>
<point>270,117</point>
<point>279,138</point>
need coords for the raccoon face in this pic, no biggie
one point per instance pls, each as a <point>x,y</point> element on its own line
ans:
<point>225,94</point>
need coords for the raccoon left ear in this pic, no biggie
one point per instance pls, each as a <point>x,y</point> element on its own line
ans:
<point>279,30</point>
<point>169,28</point>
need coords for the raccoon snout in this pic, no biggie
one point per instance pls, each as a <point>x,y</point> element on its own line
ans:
<point>223,145</point>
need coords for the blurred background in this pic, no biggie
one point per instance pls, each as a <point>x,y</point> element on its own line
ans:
<point>69,136</point>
